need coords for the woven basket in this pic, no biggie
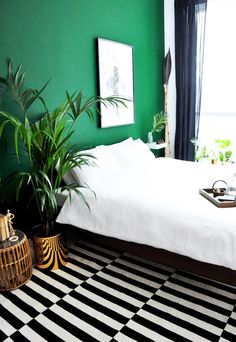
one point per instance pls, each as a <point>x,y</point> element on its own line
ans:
<point>15,265</point>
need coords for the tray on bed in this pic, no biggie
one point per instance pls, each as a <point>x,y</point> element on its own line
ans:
<point>220,201</point>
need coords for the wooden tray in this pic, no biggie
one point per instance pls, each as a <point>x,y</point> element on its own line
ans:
<point>218,200</point>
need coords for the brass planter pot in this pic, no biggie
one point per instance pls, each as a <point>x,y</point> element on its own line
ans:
<point>51,252</point>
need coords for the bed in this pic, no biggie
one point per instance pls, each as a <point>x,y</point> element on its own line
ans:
<point>155,202</point>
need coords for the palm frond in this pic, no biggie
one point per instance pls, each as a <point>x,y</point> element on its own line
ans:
<point>13,85</point>
<point>159,121</point>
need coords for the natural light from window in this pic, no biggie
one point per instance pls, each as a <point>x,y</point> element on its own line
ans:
<point>218,106</point>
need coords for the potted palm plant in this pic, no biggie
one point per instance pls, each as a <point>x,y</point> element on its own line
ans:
<point>46,143</point>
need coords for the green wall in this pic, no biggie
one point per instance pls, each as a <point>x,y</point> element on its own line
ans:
<point>55,39</point>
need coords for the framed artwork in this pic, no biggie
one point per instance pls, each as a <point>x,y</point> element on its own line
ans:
<point>115,65</point>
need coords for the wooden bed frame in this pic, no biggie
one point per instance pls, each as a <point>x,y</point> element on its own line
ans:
<point>218,273</point>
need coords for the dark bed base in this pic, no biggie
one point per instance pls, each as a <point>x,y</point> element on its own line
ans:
<point>218,273</point>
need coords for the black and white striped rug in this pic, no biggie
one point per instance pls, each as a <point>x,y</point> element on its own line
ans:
<point>107,295</point>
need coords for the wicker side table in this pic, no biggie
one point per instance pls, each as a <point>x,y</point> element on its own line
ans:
<point>15,262</point>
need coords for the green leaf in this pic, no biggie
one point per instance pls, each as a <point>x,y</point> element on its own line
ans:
<point>3,125</point>
<point>16,140</point>
<point>35,95</point>
<point>221,156</point>
<point>78,101</point>
<point>159,122</point>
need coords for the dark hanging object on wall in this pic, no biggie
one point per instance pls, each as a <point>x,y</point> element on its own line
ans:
<point>167,64</point>
<point>166,69</point>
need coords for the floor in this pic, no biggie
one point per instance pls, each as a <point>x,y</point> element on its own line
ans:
<point>110,295</point>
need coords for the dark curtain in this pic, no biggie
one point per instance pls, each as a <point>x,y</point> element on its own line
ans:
<point>189,43</point>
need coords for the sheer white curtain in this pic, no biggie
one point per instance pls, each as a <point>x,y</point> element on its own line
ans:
<point>218,105</point>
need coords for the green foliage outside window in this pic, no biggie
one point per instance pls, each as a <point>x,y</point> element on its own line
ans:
<point>219,151</point>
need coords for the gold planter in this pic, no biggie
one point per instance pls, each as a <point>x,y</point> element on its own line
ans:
<point>51,252</point>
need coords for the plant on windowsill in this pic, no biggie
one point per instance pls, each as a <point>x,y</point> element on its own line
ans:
<point>159,122</point>
<point>217,152</point>
<point>201,152</point>
<point>46,143</point>
<point>223,151</point>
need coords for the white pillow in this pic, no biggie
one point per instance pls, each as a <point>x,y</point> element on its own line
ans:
<point>112,160</point>
<point>122,143</point>
<point>102,166</point>
<point>68,178</point>
<point>132,154</point>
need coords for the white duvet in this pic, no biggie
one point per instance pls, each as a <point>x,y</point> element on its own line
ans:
<point>160,205</point>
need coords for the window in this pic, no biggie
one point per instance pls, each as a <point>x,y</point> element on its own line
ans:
<point>218,105</point>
